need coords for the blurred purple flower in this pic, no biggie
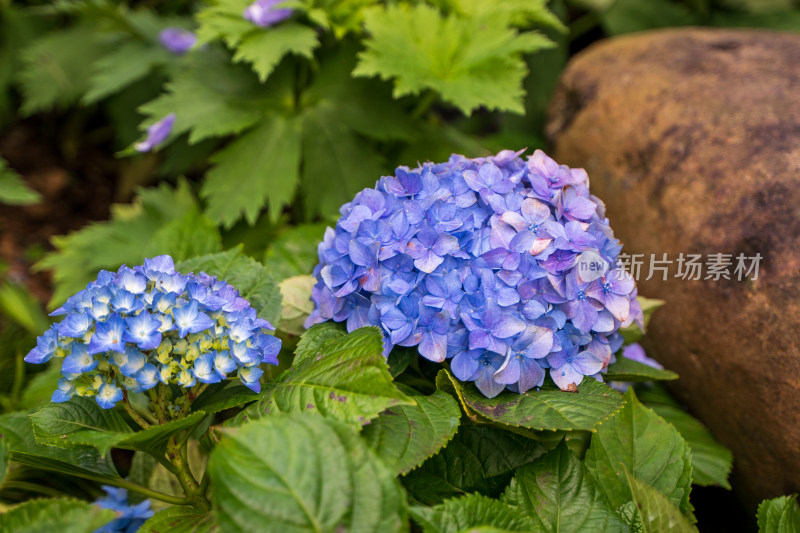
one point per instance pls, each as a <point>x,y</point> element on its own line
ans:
<point>157,133</point>
<point>177,40</point>
<point>264,13</point>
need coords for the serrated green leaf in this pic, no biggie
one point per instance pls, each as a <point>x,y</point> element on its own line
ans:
<point>291,473</point>
<point>212,99</point>
<point>470,512</point>
<point>625,369</point>
<point>657,513</point>
<point>478,459</point>
<point>711,461</point>
<point>544,409</point>
<point>638,439</point>
<point>180,520</point>
<point>779,515</point>
<point>296,303</point>
<point>265,47</point>
<point>294,251</point>
<point>470,61</point>
<point>46,516</point>
<point>126,238</point>
<point>520,12</point>
<point>188,236</point>
<point>80,421</point>
<point>336,163</point>
<point>13,190</point>
<point>222,19</point>
<point>348,380</point>
<point>311,342</point>
<point>248,276</point>
<point>260,168</point>
<point>130,62</point>
<point>560,495</point>
<point>82,461</point>
<point>405,436</point>
<point>57,67</point>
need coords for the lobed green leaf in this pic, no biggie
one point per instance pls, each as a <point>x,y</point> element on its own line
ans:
<point>657,513</point>
<point>179,519</point>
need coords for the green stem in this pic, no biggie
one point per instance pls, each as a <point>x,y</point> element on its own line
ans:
<point>176,452</point>
<point>424,104</point>
<point>158,404</point>
<point>132,412</point>
<point>150,493</point>
<point>32,487</point>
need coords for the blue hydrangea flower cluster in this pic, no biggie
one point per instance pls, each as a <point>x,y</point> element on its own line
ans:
<point>503,266</point>
<point>129,517</point>
<point>150,324</point>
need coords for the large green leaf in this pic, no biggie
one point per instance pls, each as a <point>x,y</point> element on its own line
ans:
<point>180,520</point>
<point>653,451</point>
<point>46,516</point>
<point>558,493</point>
<point>656,512</point>
<point>472,61</point>
<point>711,461</point>
<point>264,48</point>
<point>404,436</point>
<point>80,421</point>
<point>625,369</point>
<point>292,473</point>
<point>191,235</point>
<point>212,98</point>
<point>82,461</point>
<point>543,409</point>
<point>470,513</point>
<point>779,515</point>
<point>250,278</point>
<point>260,168</point>
<point>478,459</point>
<point>348,380</point>
<point>13,190</point>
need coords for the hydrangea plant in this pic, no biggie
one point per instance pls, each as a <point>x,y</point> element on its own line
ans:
<point>131,330</point>
<point>503,266</point>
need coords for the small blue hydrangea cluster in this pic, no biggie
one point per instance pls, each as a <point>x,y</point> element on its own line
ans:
<point>148,325</point>
<point>506,267</point>
<point>129,517</point>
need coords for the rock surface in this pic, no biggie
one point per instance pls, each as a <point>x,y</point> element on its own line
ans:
<point>692,138</point>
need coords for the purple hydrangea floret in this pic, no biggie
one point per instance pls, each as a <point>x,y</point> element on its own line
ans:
<point>157,133</point>
<point>149,324</point>
<point>130,518</point>
<point>177,40</point>
<point>505,267</point>
<point>263,13</point>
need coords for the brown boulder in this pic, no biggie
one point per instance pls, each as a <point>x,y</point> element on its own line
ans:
<point>692,138</point>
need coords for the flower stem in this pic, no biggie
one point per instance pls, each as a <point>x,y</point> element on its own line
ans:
<point>132,412</point>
